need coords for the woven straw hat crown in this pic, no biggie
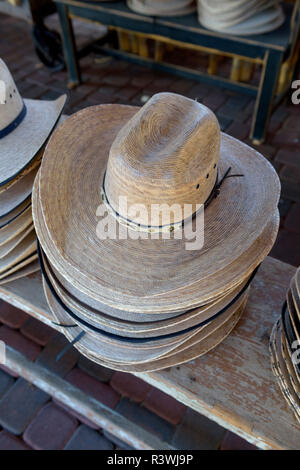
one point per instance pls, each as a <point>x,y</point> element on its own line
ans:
<point>11,103</point>
<point>167,153</point>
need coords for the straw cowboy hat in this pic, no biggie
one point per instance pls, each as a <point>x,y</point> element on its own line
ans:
<point>285,334</point>
<point>171,151</point>
<point>27,268</point>
<point>25,125</point>
<point>284,369</point>
<point>144,302</point>
<point>240,17</point>
<point>88,308</point>
<point>136,357</point>
<point>18,249</point>
<point>139,325</point>
<point>137,354</point>
<point>162,8</point>
<point>106,336</point>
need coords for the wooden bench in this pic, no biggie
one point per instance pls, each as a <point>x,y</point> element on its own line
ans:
<point>233,384</point>
<point>272,50</point>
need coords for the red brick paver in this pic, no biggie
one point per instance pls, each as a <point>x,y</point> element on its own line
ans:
<point>101,391</point>
<point>130,386</point>
<point>37,331</point>
<point>17,341</point>
<point>10,442</point>
<point>233,442</point>
<point>165,406</point>
<point>196,432</point>
<point>146,419</point>
<point>12,316</point>
<point>51,429</point>
<point>48,357</point>
<point>19,405</point>
<point>95,370</point>
<point>85,438</point>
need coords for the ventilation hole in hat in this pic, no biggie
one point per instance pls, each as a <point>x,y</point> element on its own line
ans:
<point>14,90</point>
<point>215,165</point>
<point>10,95</point>
<point>207,175</point>
<point>198,185</point>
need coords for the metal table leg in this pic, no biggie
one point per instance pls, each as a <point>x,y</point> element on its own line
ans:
<point>264,100</point>
<point>69,46</point>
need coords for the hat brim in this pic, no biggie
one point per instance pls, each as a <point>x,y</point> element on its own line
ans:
<point>146,10</point>
<point>168,274</point>
<point>132,354</point>
<point>262,22</point>
<point>19,147</point>
<point>189,354</point>
<point>280,370</point>
<point>15,196</point>
<point>17,268</point>
<point>18,225</point>
<point>14,214</point>
<point>23,250</point>
<point>6,248</point>
<point>29,267</point>
<point>35,162</point>
<point>140,325</point>
<point>212,288</point>
<point>234,15</point>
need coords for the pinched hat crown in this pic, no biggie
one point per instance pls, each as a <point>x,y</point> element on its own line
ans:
<point>11,104</point>
<point>166,154</point>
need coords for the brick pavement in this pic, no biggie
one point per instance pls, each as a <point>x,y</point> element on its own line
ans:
<point>31,419</point>
<point>112,81</point>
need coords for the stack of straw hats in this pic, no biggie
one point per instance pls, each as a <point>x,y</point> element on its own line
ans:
<point>285,347</point>
<point>240,17</point>
<point>25,125</point>
<point>162,7</point>
<point>133,292</point>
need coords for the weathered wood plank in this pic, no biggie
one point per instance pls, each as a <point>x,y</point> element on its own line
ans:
<point>28,295</point>
<point>233,384</point>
